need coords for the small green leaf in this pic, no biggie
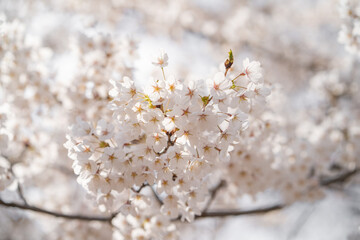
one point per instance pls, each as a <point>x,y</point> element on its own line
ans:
<point>231,57</point>
<point>103,144</point>
<point>206,100</point>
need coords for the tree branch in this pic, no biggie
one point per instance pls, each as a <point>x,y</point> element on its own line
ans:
<point>152,189</point>
<point>168,145</point>
<point>221,213</point>
<point>140,188</point>
<point>57,214</point>
<point>338,179</point>
<point>236,212</point>
<point>224,213</point>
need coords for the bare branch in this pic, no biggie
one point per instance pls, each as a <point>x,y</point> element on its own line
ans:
<point>221,213</point>
<point>338,179</point>
<point>152,189</point>
<point>236,212</point>
<point>57,214</point>
<point>224,213</point>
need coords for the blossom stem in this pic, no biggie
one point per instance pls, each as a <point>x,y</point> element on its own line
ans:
<point>241,74</point>
<point>163,72</point>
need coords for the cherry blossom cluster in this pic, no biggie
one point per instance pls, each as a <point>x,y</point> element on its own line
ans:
<point>81,230</point>
<point>26,92</point>
<point>171,136</point>
<point>350,29</point>
<point>99,57</point>
<point>152,152</point>
<point>147,222</point>
<point>30,139</point>
<point>27,89</point>
<point>23,72</point>
<point>337,126</point>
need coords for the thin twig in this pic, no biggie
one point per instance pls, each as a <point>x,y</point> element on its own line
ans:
<point>160,201</point>
<point>21,194</point>
<point>168,145</point>
<point>152,189</point>
<point>140,188</point>
<point>19,188</point>
<point>213,193</point>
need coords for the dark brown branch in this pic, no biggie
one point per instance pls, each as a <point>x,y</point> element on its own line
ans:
<point>57,214</point>
<point>323,182</point>
<point>140,188</point>
<point>236,212</point>
<point>338,179</point>
<point>157,197</point>
<point>169,144</point>
<point>223,213</point>
<point>152,189</point>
